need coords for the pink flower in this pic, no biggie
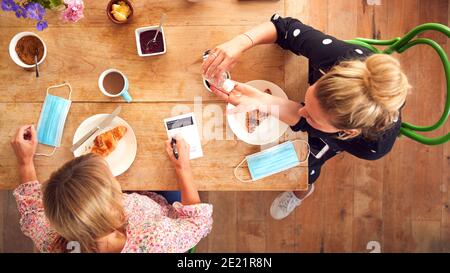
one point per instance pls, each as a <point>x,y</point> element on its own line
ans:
<point>74,10</point>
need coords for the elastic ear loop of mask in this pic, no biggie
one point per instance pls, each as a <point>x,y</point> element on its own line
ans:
<point>250,180</point>
<point>70,94</point>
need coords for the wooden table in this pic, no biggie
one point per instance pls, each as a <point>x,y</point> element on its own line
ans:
<point>78,53</point>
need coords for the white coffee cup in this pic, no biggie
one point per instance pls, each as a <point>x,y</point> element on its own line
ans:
<point>124,93</point>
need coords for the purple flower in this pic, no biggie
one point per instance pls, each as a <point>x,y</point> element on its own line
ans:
<point>41,25</point>
<point>8,5</point>
<point>21,12</point>
<point>30,10</point>
<point>35,11</point>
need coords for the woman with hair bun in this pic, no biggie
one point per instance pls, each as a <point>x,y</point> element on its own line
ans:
<point>353,103</point>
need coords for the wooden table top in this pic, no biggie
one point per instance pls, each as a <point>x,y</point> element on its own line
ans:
<point>79,52</point>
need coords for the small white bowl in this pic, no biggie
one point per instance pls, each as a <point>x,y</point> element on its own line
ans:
<point>138,44</point>
<point>13,53</point>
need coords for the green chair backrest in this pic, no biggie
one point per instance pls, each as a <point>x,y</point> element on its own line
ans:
<point>400,45</point>
<point>192,250</point>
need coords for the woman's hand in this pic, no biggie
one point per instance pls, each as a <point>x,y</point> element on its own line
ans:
<point>24,145</point>
<point>189,193</point>
<point>245,98</point>
<point>223,57</point>
<point>182,147</point>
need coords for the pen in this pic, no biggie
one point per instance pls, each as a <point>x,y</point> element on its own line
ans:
<point>174,148</point>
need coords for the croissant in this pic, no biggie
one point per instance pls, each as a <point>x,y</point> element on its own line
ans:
<point>106,143</point>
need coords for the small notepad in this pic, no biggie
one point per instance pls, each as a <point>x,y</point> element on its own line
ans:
<point>186,126</point>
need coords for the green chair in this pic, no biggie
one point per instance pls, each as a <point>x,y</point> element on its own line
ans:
<point>192,250</point>
<point>400,45</point>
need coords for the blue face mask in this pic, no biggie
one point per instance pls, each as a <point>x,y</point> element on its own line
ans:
<point>271,161</point>
<point>53,117</point>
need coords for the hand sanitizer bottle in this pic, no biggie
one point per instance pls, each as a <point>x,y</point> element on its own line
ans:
<point>223,82</point>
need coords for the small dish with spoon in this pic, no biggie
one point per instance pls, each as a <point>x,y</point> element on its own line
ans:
<point>150,41</point>
<point>23,48</point>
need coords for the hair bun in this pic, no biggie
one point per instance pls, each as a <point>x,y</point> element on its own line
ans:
<point>364,95</point>
<point>385,81</point>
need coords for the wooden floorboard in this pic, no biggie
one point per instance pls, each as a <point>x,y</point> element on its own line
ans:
<point>3,209</point>
<point>13,239</point>
<point>401,201</point>
<point>368,176</point>
<point>445,220</point>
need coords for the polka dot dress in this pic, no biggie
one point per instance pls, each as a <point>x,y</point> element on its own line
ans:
<point>323,52</point>
<point>327,41</point>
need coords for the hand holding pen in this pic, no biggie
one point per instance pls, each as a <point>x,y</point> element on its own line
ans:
<point>24,144</point>
<point>178,151</point>
<point>173,143</point>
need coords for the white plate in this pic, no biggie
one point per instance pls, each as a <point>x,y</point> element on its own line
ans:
<point>122,157</point>
<point>269,130</point>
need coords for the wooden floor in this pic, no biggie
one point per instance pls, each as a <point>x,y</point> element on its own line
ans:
<point>401,201</point>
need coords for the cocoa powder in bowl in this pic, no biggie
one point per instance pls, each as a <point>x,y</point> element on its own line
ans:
<point>27,47</point>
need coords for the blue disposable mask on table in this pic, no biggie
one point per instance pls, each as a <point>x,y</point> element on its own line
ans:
<point>271,161</point>
<point>52,119</point>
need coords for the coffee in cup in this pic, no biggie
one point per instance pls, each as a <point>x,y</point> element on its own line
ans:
<point>113,83</point>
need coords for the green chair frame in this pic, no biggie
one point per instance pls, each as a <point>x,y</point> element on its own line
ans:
<point>400,45</point>
<point>192,250</point>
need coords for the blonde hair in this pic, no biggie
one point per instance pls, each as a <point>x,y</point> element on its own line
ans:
<point>83,202</point>
<point>363,95</point>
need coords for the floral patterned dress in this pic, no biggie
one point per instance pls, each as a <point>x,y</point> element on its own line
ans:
<point>153,225</point>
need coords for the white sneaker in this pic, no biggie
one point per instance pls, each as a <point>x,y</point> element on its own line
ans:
<point>285,203</point>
